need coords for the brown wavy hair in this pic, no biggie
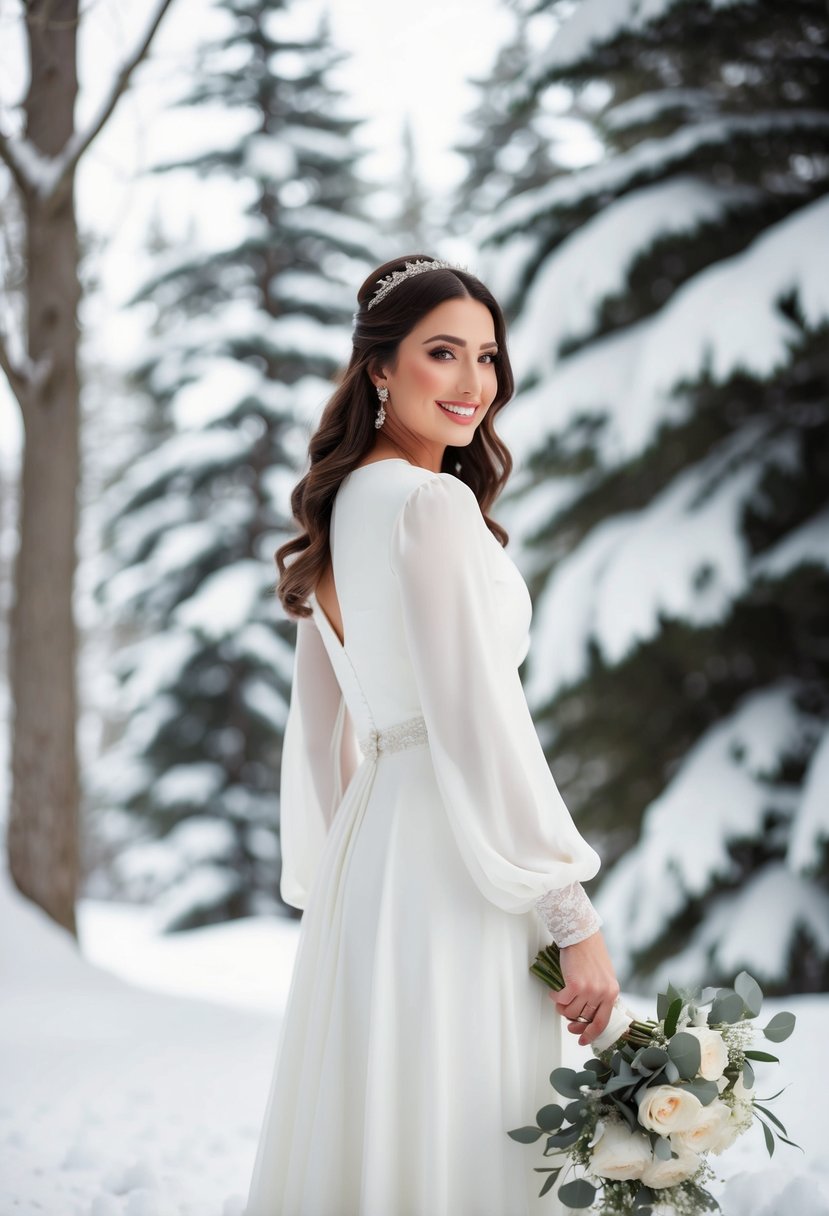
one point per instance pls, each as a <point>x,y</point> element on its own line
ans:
<point>346,432</point>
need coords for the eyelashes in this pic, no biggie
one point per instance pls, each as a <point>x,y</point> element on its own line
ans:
<point>492,355</point>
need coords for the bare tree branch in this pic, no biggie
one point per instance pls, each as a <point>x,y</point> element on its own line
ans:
<point>77,145</point>
<point>10,152</point>
<point>18,381</point>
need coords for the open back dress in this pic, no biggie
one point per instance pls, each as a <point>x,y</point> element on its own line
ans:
<point>419,825</point>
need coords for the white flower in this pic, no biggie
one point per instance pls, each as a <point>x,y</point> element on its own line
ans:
<point>676,1169</point>
<point>740,1092</point>
<point>700,1018</point>
<point>620,1153</point>
<point>708,1130</point>
<point>665,1109</point>
<point>713,1051</point>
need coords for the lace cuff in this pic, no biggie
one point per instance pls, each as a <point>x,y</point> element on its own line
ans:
<point>568,914</point>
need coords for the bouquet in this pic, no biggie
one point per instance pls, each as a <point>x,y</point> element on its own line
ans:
<point>656,1099</point>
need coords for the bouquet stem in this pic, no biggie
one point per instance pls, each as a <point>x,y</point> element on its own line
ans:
<point>547,967</point>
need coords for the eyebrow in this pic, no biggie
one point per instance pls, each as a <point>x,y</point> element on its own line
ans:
<point>457,341</point>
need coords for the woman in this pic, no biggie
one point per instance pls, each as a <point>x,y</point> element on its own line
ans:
<point>422,832</point>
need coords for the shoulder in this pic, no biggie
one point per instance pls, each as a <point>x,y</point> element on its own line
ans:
<point>438,515</point>
<point>435,495</point>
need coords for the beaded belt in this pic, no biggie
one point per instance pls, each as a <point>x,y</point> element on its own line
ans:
<point>411,733</point>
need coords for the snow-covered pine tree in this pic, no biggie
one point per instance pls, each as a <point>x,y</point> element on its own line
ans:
<point>257,321</point>
<point>671,435</point>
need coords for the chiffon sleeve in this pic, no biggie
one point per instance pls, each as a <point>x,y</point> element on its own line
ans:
<point>319,755</point>
<point>512,826</point>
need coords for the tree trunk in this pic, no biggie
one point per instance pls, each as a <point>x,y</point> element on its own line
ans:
<point>43,816</point>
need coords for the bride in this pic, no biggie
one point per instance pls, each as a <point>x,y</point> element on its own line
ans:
<point>422,832</point>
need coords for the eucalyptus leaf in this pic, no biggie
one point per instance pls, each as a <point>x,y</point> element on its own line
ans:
<point>574,1111</point>
<point>765,1056</point>
<point>671,1072</point>
<point>750,991</point>
<point>706,1091</point>
<point>748,1075</point>
<point>550,1117</point>
<point>662,1003</point>
<point>773,1118</point>
<point>620,1083</point>
<point>563,1079</point>
<point>780,1027</point>
<point>768,1137</point>
<point>654,1057</point>
<point>672,1016</point>
<point>551,1181</point>
<point>662,1149</point>
<point>526,1135</point>
<point>577,1194</point>
<point>626,1112</point>
<point>728,1008</point>
<point>644,1197</point>
<point>684,1050</point>
<point>564,1139</point>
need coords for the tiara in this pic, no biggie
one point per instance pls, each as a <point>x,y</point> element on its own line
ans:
<point>397,276</point>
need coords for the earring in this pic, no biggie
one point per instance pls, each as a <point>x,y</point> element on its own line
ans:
<point>383,394</point>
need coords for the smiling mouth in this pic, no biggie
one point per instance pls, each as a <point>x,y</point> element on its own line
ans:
<point>456,409</point>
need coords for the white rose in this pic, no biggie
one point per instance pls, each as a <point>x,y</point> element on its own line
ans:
<point>708,1129</point>
<point>734,1126</point>
<point>665,1109</point>
<point>676,1169</point>
<point>713,1051</point>
<point>620,1153</point>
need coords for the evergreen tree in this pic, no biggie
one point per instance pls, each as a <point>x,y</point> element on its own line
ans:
<point>251,333</point>
<point>671,435</point>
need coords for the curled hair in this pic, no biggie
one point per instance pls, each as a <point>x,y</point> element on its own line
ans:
<point>346,432</point>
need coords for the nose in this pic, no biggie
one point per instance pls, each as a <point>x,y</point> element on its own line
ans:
<point>470,382</point>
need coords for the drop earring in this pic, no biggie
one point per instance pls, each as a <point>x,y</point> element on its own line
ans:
<point>383,394</point>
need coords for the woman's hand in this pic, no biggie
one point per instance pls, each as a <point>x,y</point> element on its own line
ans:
<point>590,987</point>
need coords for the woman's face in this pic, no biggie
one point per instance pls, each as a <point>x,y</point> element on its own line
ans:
<point>450,356</point>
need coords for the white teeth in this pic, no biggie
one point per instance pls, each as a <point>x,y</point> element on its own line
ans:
<point>465,410</point>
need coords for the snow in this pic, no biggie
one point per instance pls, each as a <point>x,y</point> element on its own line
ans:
<point>225,600</point>
<point>720,789</point>
<point>645,107</point>
<point>595,261</point>
<point>752,928</point>
<point>807,544</point>
<point>683,556</point>
<point>190,784</point>
<point>647,159</point>
<point>725,319</point>
<point>135,1070</point>
<point>596,22</point>
<point>811,828</point>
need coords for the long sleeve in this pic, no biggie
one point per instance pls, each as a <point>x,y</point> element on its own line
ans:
<point>319,755</point>
<point>513,829</point>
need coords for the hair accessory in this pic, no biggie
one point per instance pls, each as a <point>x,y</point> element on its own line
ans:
<point>397,276</point>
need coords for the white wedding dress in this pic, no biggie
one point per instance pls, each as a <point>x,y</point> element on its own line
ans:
<point>425,838</point>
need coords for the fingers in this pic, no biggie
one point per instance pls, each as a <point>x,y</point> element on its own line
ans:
<point>598,1023</point>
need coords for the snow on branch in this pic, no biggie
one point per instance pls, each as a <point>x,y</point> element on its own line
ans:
<point>22,374</point>
<point>46,176</point>
<point>646,161</point>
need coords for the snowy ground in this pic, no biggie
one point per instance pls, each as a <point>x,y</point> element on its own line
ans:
<point>133,1078</point>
